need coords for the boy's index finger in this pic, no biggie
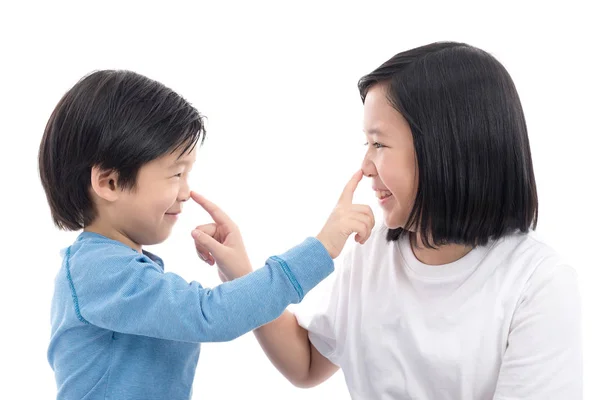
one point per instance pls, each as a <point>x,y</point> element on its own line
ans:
<point>211,208</point>
<point>350,188</point>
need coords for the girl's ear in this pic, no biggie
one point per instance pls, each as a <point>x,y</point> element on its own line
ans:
<point>104,183</point>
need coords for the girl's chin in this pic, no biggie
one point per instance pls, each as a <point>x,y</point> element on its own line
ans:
<point>391,221</point>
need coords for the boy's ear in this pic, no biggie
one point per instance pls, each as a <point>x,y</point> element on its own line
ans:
<point>104,183</point>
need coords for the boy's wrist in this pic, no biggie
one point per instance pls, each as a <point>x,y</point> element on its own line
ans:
<point>243,271</point>
<point>325,245</point>
<point>306,264</point>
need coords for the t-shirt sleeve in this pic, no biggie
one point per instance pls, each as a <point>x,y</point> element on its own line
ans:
<point>324,312</point>
<point>543,358</point>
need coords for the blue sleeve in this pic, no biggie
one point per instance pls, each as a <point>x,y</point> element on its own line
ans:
<point>138,298</point>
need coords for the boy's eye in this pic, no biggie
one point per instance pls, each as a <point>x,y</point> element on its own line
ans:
<point>178,175</point>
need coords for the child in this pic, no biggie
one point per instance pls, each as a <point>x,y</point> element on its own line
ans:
<point>453,297</point>
<point>114,161</point>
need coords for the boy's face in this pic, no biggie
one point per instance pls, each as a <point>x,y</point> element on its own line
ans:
<point>390,159</point>
<point>146,214</point>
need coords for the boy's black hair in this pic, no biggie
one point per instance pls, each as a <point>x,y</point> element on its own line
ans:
<point>116,120</point>
<point>476,179</point>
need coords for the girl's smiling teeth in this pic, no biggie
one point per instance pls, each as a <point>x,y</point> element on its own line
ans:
<point>382,194</point>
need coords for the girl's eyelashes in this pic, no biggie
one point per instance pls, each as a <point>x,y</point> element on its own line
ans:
<point>377,145</point>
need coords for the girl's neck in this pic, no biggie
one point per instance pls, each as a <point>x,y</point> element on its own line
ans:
<point>441,255</point>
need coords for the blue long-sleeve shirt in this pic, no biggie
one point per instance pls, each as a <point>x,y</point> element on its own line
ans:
<point>122,328</point>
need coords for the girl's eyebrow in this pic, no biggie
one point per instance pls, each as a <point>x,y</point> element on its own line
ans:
<point>374,131</point>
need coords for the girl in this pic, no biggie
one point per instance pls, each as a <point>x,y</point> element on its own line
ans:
<point>451,297</point>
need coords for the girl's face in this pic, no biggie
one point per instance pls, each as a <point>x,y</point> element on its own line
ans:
<point>390,159</point>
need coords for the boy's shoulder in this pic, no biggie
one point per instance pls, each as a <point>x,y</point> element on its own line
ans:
<point>92,251</point>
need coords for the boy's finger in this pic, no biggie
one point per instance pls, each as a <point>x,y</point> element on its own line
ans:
<point>209,229</point>
<point>348,192</point>
<point>206,242</point>
<point>203,253</point>
<point>212,209</point>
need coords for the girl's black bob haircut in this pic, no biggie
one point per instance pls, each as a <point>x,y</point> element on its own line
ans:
<point>475,180</point>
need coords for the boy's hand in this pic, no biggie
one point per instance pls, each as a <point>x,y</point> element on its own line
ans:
<point>221,241</point>
<point>346,219</point>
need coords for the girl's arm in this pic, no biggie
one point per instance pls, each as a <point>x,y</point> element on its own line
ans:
<point>543,359</point>
<point>287,345</point>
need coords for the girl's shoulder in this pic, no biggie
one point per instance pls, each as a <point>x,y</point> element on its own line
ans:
<point>524,248</point>
<point>531,257</point>
<point>518,253</point>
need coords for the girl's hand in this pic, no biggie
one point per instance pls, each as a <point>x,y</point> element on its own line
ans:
<point>347,218</point>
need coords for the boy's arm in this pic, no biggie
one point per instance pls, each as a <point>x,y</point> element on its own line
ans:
<point>287,345</point>
<point>137,298</point>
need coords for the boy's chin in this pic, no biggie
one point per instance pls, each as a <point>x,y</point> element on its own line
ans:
<point>157,239</point>
<point>163,237</point>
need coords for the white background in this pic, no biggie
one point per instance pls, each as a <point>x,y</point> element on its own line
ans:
<point>277,82</point>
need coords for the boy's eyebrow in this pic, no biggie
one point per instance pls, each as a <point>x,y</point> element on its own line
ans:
<point>182,161</point>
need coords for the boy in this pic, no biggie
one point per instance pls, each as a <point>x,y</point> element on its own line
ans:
<point>114,161</point>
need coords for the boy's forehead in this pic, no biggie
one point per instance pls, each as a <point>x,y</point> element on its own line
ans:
<point>187,158</point>
<point>177,157</point>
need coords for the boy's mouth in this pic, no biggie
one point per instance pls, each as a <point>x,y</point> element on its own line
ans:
<point>173,215</point>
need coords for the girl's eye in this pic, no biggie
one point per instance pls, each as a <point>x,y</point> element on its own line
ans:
<point>178,175</point>
<point>377,145</point>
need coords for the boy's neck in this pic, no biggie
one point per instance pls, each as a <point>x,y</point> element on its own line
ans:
<point>112,233</point>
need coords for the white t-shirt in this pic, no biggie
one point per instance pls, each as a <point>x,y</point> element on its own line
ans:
<point>503,322</point>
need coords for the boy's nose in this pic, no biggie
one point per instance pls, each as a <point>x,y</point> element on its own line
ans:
<point>184,193</point>
<point>184,198</point>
